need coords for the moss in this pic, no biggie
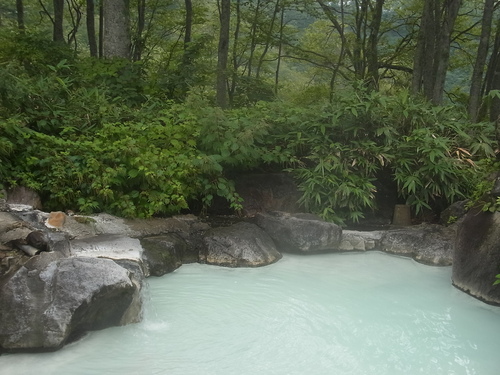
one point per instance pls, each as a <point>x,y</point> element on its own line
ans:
<point>84,219</point>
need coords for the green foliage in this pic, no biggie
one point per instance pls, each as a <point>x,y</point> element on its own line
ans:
<point>137,168</point>
<point>497,281</point>
<point>343,148</point>
<point>480,197</point>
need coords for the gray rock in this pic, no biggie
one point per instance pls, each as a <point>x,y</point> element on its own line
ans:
<point>44,308</point>
<point>495,191</point>
<point>426,243</point>
<point>360,241</point>
<point>453,213</point>
<point>38,239</point>
<point>239,245</point>
<point>163,254</point>
<point>477,256</point>
<point>303,233</point>
<point>24,196</point>
<point>112,246</point>
<point>267,192</point>
<point>4,207</point>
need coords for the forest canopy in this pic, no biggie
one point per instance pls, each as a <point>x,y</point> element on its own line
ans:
<point>143,108</point>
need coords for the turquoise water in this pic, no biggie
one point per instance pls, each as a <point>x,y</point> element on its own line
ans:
<point>364,313</point>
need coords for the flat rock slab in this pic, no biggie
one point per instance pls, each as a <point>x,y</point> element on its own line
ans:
<point>113,246</point>
<point>239,245</point>
<point>426,243</point>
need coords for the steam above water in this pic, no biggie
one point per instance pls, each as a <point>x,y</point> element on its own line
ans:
<point>366,313</point>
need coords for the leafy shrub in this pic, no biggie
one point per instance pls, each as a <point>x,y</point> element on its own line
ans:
<point>342,149</point>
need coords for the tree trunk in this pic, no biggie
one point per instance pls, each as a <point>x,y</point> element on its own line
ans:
<point>235,59</point>
<point>372,50</point>
<point>20,15</point>
<point>432,54</point>
<point>222,55</point>
<point>253,39</point>
<point>443,49</point>
<point>116,40</point>
<point>91,28</point>
<point>189,23</point>
<point>101,30</point>
<point>139,37</point>
<point>58,30</point>
<point>482,52</point>
<point>269,38</point>
<point>75,13</point>
<point>280,50</point>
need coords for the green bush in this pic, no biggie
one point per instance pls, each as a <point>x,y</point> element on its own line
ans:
<point>342,149</point>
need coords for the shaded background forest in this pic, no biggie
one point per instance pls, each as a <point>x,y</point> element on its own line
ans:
<point>143,108</point>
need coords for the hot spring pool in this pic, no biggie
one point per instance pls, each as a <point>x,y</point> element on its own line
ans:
<point>334,314</point>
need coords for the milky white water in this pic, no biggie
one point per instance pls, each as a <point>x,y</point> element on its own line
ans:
<point>335,314</point>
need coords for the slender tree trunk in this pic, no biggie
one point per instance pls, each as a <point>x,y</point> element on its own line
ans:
<point>269,38</point>
<point>359,48</point>
<point>75,13</point>
<point>372,50</point>
<point>342,54</point>
<point>20,15</point>
<point>493,78</point>
<point>101,30</point>
<point>58,29</point>
<point>433,48</point>
<point>482,52</point>
<point>431,33</point>
<point>189,23</point>
<point>90,20</point>
<point>222,54</point>
<point>280,50</point>
<point>139,37</point>
<point>443,50</point>
<point>253,34</point>
<point>235,60</point>
<point>419,55</point>
<point>116,41</point>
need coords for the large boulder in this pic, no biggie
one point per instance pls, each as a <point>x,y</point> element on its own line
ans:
<point>48,303</point>
<point>426,243</point>
<point>300,233</point>
<point>239,245</point>
<point>163,254</point>
<point>477,255</point>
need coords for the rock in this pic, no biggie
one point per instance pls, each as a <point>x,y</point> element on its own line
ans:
<point>163,254</point>
<point>477,255</point>
<point>38,240</point>
<point>20,195</point>
<point>360,241</point>
<point>44,308</point>
<point>4,207</point>
<point>495,191</point>
<point>27,249</point>
<point>56,219</point>
<point>240,245</point>
<point>267,192</point>
<point>301,233</point>
<point>426,243</point>
<point>453,213</point>
<point>112,246</point>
